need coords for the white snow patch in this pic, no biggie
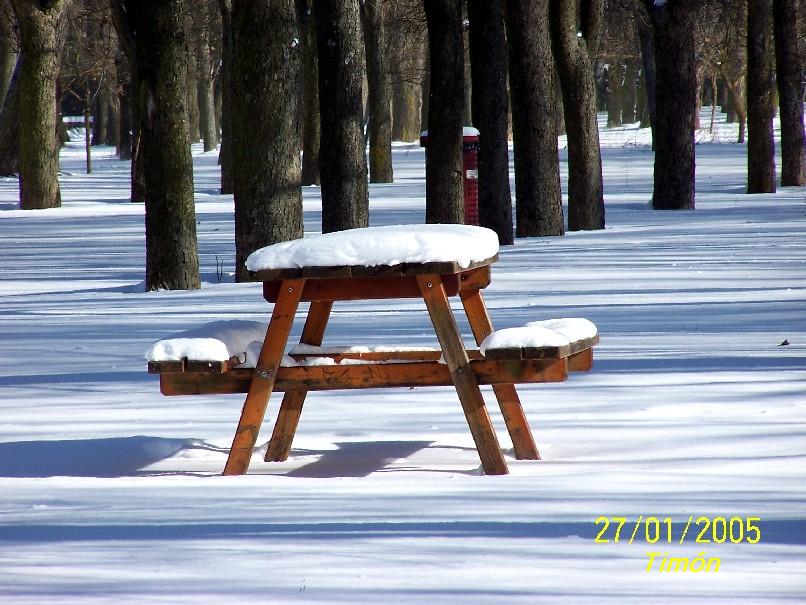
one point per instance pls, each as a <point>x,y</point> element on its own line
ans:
<point>214,341</point>
<point>524,336</point>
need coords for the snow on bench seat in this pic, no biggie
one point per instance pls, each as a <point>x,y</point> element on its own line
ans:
<point>544,339</point>
<point>402,248</point>
<point>212,346</point>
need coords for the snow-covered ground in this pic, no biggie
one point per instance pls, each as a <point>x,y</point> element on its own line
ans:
<point>111,493</point>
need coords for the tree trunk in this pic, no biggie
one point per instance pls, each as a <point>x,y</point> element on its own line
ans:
<point>265,126</point>
<point>39,148</point>
<point>490,105</point>
<point>100,122</point>
<point>789,72</point>
<point>8,50</point>
<point>207,98</point>
<point>646,36</point>
<point>379,94</point>
<point>444,194</point>
<point>630,92</point>
<point>225,152</point>
<point>153,33</point>
<point>124,91</point>
<point>113,127</point>
<point>614,93</point>
<point>311,125</point>
<point>10,126</point>
<point>760,108</point>
<point>406,94</point>
<point>573,50</point>
<point>675,105</point>
<point>192,92</point>
<point>342,163</point>
<point>534,128</point>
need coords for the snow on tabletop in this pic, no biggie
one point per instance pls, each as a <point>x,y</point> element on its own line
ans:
<point>373,246</point>
<point>573,328</point>
<point>214,341</point>
<point>524,336</point>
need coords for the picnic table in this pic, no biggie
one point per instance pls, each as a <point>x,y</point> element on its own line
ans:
<point>429,262</point>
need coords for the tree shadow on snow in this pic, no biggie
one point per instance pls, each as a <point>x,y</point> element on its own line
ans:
<point>114,457</point>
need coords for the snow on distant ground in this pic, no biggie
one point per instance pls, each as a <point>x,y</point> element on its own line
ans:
<point>111,493</point>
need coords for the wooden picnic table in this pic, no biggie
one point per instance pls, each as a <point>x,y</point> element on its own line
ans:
<point>452,365</point>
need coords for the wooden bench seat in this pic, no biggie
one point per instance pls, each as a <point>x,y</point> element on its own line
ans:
<point>345,369</point>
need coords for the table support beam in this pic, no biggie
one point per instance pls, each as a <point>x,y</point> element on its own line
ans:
<point>467,388</point>
<point>262,384</point>
<point>522,440</point>
<point>291,408</point>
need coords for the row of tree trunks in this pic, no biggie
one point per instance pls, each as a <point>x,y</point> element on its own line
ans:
<point>444,194</point>
<point>490,112</point>
<point>534,127</point>
<point>266,60</point>
<point>573,50</point>
<point>342,163</point>
<point>760,108</point>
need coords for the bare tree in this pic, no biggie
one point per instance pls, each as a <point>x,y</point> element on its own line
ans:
<point>342,163</point>
<point>490,107</point>
<point>760,88</point>
<point>789,71</point>
<point>444,195</point>
<point>675,104</point>
<point>534,128</point>
<point>311,124</point>
<point>42,30</point>
<point>378,92</point>
<point>573,48</point>
<point>265,126</point>
<point>225,152</point>
<point>152,31</point>
<point>9,46</point>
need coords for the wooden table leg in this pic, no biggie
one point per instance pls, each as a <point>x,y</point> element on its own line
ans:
<point>464,379</point>
<point>257,399</point>
<point>291,408</point>
<point>507,396</point>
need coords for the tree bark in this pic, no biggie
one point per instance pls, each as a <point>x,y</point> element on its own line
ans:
<point>760,108</point>
<point>39,149</point>
<point>10,126</point>
<point>191,88</point>
<point>265,126</point>
<point>154,34</point>
<point>342,163</point>
<point>675,105</point>
<point>646,36</point>
<point>444,194</point>
<point>311,125</point>
<point>490,107</point>
<point>534,128</point>
<point>225,151</point>
<point>8,49</point>
<point>379,93</point>
<point>789,71</point>
<point>207,97</point>
<point>573,52</point>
